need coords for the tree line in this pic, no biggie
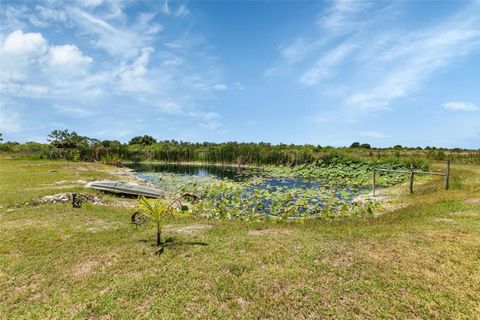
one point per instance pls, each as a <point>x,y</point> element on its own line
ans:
<point>65,144</point>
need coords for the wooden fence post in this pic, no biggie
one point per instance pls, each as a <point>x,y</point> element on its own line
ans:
<point>411,178</point>
<point>447,174</point>
<point>373,183</point>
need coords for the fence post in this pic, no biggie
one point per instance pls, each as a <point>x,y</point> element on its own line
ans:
<point>411,178</point>
<point>373,183</point>
<point>447,174</point>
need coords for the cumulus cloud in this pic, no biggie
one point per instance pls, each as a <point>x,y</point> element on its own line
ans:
<point>24,44</point>
<point>68,57</point>
<point>110,62</point>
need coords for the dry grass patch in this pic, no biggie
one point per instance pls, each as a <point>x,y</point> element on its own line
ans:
<point>443,220</point>
<point>473,201</point>
<point>92,266</point>
<point>269,232</point>
<point>189,229</point>
<point>468,213</point>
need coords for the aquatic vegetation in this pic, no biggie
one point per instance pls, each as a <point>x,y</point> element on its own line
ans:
<point>325,188</point>
<point>258,197</point>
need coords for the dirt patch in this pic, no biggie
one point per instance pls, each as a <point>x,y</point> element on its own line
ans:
<point>336,255</point>
<point>268,232</point>
<point>473,200</point>
<point>125,174</point>
<point>96,264</point>
<point>70,182</point>
<point>32,290</point>
<point>190,229</point>
<point>86,268</point>
<point>443,220</point>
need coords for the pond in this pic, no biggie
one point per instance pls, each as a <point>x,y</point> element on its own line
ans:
<point>229,190</point>
<point>201,170</point>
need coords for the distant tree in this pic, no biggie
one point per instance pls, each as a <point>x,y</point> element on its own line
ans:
<point>365,146</point>
<point>398,147</point>
<point>355,145</point>
<point>145,140</point>
<point>66,139</point>
<point>1,137</point>
<point>111,143</point>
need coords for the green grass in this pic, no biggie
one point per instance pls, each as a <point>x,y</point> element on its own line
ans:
<point>421,261</point>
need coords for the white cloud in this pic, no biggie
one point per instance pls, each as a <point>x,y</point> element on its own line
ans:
<point>24,44</point>
<point>297,50</point>
<point>173,60</point>
<point>75,112</point>
<point>174,45</point>
<point>47,15</point>
<point>324,66</point>
<point>19,90</point>
<point>182,11</point>
<point>115,41</point>
<point>342,16</point>
<point>460,106</point>
<point>220,87</point>
<point>179,12</point>
<point>68,57</point>
<point>133,76</point>
<point>207,120</point>
<point>416,57</point>
<point>165,8</point>
<point>171,108</point>
<point>372,134</point>
<point>126,73</point>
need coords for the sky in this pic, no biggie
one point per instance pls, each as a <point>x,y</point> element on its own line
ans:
<point>316,72</point>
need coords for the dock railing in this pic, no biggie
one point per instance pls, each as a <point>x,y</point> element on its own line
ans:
<point>412,173</point>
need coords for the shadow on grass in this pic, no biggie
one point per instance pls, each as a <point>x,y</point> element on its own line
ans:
<point>174,243</point>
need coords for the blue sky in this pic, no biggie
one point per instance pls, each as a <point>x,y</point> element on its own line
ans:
<point>328,73</point>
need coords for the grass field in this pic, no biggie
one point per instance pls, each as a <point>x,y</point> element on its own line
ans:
<point>420,261</point>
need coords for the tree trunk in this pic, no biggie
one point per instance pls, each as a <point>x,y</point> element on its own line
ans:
<point>159,239</point>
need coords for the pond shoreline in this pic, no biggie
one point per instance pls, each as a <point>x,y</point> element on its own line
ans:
<point>197,163</point>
